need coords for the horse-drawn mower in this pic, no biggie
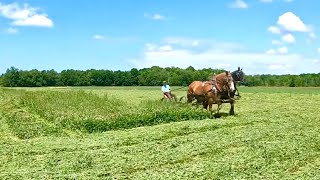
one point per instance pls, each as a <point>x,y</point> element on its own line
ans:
<point>220,89</point>
<point>173,98</point>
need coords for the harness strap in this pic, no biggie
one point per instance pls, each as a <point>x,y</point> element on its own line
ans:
<point>213,83</point>
<point>217,84</point>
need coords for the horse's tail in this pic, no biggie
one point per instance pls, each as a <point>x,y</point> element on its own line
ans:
<point>191,88</point>
<point>190,92</point>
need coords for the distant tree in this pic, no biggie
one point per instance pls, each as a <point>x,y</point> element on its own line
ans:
<point>70,77</point>
<point>153,76</point>
<point>50,77</point>
<point>33,78</point>
<point>11,78</point>
<point>134,76</point>
<point>1,80</point>
<point>119,78</point>
<point>190,68</point>
<point>100,77</point>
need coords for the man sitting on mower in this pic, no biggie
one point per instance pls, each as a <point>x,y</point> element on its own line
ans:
<point>166,90</point>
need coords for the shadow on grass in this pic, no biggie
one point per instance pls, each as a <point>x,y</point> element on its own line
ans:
<point>219,115</point>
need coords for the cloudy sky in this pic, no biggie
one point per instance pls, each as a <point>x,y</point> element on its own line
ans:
<point>261,36</point>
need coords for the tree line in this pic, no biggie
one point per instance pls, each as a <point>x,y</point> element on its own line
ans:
<point>14,77</point>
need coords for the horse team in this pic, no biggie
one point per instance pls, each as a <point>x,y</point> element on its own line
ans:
<point>220,89</point>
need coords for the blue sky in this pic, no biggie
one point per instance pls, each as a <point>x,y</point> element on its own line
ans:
<point>261,36</point>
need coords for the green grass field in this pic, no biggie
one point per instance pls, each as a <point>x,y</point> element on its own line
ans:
<point>126,132</point>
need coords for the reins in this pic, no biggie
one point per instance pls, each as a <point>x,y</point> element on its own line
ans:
<point>179,88</point>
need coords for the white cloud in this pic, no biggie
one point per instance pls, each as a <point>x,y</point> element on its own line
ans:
<point>113,39</point>
<point>283,50</point>
<point>158,17</point>
<point>271,51</point>
<point>279,67</point>
<point>277,61</point>
<point>318,50</point>
<point>98,37</point>
<point>165,48</point>
<point>289,38</point>
<point>274,30</point>
<point>35,20</point>
<point>280,50</point>
<point>266,1</point>
<point>197,43</point>
<point>154,16</point>
<point>270,1</point>
<point>187,42</point>
<point>25,15</point>
<point>150,47</point>
<point>290,22</point>
<point>239,4</point>
<point>184,42</point>
<point>276,42</point>
<point>312,35</point>
<point>12,30</point>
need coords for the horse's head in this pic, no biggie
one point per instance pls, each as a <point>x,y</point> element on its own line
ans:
<point>225,80</point>
<point>238,75</point>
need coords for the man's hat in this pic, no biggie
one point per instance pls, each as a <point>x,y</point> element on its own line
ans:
<point>164,81</point>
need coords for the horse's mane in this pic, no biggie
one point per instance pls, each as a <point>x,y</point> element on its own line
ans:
<point>222,75</point>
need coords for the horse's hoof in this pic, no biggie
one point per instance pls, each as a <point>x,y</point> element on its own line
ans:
<point>217,115</point>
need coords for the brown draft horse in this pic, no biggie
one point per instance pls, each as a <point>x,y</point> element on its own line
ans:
<point>220,88</point>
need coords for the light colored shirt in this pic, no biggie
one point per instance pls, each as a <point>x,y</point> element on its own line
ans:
<point>165,88</point>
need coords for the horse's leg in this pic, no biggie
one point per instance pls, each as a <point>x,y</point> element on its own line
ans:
<point>231,109</point>
<point>217,114</point>
<point>219,107</point>
<point>210,102</point>
<point>219,103</point>
<point>231,112</point>
<point>190,97</point>
<point>205,104</point>
<point>201,100</point>
<point>238,93</point>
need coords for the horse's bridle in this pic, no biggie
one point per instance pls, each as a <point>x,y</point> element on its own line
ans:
<point>238,74</point>
<point>227,81</point>
<point>225,84</point>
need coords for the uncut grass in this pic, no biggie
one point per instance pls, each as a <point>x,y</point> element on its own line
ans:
<point>55,112</point>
